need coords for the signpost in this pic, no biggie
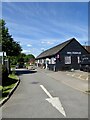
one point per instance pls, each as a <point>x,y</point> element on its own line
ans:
<point>2,54</point>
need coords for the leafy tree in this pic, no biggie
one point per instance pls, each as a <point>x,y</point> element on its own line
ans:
<point>21,58</point>
<point>25,58</point>
<point>28,57</point>
<point>13,60</point>
<point>11,47</point>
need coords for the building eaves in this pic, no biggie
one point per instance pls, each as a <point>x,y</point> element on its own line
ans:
<point>54,50</point>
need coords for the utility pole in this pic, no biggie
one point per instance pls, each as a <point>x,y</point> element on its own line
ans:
<point>85,45</point>
<point>3,59</point>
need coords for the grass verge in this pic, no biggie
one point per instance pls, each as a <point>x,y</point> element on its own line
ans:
<point>9,85</point>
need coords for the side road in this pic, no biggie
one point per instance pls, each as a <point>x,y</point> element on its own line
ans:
<point>69,80</point>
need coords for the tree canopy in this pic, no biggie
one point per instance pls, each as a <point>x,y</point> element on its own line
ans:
<point>11,47</point>
<point>28,57</point>
<point>21,58</point>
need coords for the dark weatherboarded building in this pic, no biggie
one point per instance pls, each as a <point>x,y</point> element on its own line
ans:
<point>66,55</point>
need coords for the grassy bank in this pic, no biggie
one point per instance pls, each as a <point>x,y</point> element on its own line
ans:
<point>9,85</point>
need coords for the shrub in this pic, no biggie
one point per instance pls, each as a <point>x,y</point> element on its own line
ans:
<point>4,74</point>
<point>0,74</point>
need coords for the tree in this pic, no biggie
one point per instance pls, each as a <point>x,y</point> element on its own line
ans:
<point>21,58</point>
<point>11,47</point>
<point>28,57</point>
<point>25,58</point>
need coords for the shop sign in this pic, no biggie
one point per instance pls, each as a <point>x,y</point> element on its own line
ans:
<point>78,53</point>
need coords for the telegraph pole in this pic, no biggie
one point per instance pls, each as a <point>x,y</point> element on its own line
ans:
<point>85,45</point>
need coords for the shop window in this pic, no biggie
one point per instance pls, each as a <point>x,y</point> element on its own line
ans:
<point>67,59</point>
<point>53,60</point>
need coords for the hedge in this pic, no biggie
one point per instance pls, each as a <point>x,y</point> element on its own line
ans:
<point>4,74</point>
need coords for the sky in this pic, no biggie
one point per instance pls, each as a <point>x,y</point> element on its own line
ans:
<point>38,26</point>
<point>45,0</point>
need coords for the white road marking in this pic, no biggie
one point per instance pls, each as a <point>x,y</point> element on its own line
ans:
<point>54,101</point>
<point>87,78</point>
<point>73,75</point>
<point>68,74</point>
<point>46,91</point>
<point>79,76</point>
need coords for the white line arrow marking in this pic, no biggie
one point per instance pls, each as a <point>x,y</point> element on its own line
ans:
<point>54,101</point>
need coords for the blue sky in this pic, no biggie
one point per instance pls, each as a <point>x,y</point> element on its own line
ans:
<point>38,26</point>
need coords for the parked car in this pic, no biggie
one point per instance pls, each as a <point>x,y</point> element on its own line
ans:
<point>85,63</point>
<point>17,66</point>
<point>20,66</point>
<point>32,67</point>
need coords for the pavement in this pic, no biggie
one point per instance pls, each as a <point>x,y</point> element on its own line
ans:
<point>77,79</point>
<point>79,74</point>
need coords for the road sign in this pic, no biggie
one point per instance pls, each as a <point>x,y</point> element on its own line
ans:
<point>2,53</point>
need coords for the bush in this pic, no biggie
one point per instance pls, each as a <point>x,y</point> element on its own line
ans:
<point>4,74</point>
<point>0,74</point>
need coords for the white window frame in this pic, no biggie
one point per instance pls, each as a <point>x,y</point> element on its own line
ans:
<point>78,57</point>
<point>67,59</point>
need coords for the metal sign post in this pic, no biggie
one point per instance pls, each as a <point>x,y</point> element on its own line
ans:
<point>2,54</point>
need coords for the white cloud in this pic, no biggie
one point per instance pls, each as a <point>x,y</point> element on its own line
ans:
<point>50,41</point>
<point>37,28</point>
<point>47,42</point>
<point>42,49</point>
<point>34,51</point>
<point>26,51</point>
<point>29,45</point>
<point>25,29</point>
<point>24,41</point>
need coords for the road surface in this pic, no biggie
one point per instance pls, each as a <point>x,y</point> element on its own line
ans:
<point>41,96</point>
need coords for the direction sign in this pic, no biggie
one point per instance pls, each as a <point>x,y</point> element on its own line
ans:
<point>2,53</point>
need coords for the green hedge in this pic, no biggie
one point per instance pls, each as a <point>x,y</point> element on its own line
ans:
<point>4,74</point>
<point>0,74</point>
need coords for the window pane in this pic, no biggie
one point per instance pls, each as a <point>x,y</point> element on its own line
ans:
<point>67,59</point>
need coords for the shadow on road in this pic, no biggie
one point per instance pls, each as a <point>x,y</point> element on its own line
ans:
<point>19,72</point>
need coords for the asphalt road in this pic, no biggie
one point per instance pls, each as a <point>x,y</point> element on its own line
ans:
<point>29,99</point>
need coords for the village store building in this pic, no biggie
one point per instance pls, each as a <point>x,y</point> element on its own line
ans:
<point>66,55</point>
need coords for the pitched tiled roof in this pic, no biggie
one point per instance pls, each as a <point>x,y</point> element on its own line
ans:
<point>87,48</point>
<point>54,50</point>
